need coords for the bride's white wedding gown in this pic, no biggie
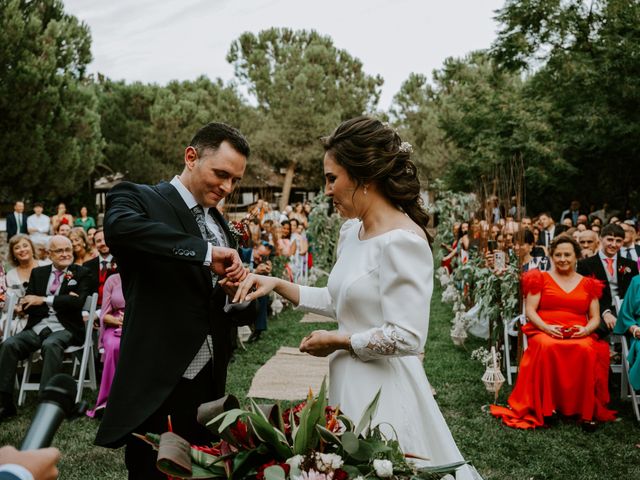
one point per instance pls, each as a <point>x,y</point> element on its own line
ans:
<point>379,291</point>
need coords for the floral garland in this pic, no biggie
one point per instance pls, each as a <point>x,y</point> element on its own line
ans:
<point>309,441</point>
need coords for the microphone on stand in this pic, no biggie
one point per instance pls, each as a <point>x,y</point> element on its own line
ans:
<point>58,401</point>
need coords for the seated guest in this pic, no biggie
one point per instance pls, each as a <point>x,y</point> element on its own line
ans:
<point>101,267</point>
<point>38,224</point>
<point>111,318</point>
<point>84,220</point>
<point>629,249</point>
<point>548,230</point>
<point>261,264</point>
<point>628,322</point>
<point>53,301</point>
<point>90,233</point>
<point>81,250</point>
<point>565,368</point>
<point>589,243</point>
<point>527,260</point>
<point>613,270</point>
<point>22,257</point>
<point>63,229</point>
<point>61,217</point>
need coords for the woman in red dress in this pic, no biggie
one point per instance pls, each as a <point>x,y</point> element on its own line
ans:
<point>565,369</point>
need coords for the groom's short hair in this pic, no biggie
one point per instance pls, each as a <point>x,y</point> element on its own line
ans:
<point>213,134</point>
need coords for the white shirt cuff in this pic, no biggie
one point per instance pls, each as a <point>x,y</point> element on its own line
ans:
<point>207,259</point>
<point>49,300</point>
<point>17,470</point>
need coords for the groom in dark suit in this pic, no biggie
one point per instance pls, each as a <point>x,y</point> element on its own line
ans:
<point>172,246</point>
<point>615,271</point>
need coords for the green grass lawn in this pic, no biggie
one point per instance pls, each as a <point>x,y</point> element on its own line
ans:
<point>498,452</point>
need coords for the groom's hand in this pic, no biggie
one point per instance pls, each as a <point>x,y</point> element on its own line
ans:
<point>225,262</point>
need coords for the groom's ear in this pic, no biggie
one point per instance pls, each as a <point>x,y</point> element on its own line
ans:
<point>190,156</point>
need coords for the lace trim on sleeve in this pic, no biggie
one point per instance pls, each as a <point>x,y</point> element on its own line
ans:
<point>387,341</point>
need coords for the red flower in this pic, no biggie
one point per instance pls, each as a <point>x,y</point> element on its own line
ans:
<point>213,450</point>
<point>340,474</point>
<point>260,472</point>
<point>68,275</point>
<point>241,433</point>
<point>296,417</point>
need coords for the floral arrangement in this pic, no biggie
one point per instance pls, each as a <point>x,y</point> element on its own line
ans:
<point>240,232</point>
<point>309,441</point>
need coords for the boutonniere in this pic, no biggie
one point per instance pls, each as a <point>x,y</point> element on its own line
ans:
<point>113,267</point>
<point>622,269</point>
<point>240,233</point>
<point>68,275</point>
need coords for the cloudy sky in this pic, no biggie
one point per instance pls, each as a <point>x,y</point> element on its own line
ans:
<point>162,40</point>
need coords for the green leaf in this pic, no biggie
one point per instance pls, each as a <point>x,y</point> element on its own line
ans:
<point>446,468</point>
<point>328,436</point>
<point>350,442</point>
<point>368,414</point>
<point>269,434</point>
<point>274,472</point>
<point>228,418</point>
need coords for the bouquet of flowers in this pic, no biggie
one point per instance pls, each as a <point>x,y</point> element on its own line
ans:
<point>310,441</point>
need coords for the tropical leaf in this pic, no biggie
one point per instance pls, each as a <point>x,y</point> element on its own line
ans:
<point>368,414</point>
<point>227,418</point>
<point>328,436</point>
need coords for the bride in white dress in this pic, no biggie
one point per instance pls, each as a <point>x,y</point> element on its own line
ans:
<point>379,291</point>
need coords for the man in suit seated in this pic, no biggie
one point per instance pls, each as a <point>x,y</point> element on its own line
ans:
<point>572,213</point>
<point>629,249</point>
<point>54,300</point>
<point>101,267</point>
<point>589,244</point>
<point>614,270</point>
<point>548,229</point>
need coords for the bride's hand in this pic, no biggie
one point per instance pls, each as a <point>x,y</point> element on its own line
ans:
<point>321,343</point>
<point>254,286</point>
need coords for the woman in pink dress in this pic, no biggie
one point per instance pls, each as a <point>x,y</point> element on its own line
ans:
<point>111,318</point>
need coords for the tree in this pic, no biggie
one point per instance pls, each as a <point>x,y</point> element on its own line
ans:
<point>584,55</point>
<point>304,87</point>
<point>416,115</point>
<point>49,127</point>
<point>146,127</point>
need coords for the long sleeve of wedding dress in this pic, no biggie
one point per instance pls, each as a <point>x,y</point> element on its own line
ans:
<point>405,291</point>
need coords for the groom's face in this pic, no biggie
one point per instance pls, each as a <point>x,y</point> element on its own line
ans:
<point>214,174</point>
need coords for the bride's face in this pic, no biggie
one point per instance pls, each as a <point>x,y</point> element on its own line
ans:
<point>340,187</point>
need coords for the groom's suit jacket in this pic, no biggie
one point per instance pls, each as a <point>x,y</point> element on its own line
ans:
<point>171,305</point>
<point>68,307</point>
<point>593,267</point>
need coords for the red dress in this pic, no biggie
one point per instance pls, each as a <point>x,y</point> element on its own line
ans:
<point>567,376</point>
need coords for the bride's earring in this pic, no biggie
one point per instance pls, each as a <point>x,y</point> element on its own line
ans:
<point>365,189</point>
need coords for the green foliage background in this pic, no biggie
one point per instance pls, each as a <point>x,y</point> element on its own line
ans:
<point>558,91</point>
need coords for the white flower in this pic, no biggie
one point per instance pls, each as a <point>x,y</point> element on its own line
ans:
<point>383,468</point>
<point>328,461</point>
<point>295,461</point>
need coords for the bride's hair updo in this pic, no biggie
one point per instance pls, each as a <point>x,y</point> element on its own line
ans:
<point>371,151</point>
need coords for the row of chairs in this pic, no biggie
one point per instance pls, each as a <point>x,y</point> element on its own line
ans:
<point>512,328</point>
<point>81,357</point>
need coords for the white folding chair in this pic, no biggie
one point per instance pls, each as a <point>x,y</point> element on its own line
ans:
<point>627,392</point>
<point>82,364</point>
<point>513,325</point>
<point>7,325</point>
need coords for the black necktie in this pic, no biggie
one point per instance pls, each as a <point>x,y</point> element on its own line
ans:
<point>629,256</point>
<point>103,265</point>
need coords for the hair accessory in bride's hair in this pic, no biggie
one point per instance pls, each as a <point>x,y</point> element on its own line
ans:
<point>406,147</point>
